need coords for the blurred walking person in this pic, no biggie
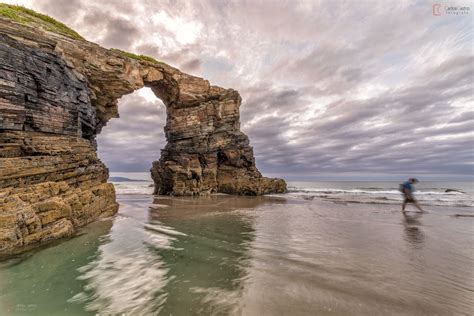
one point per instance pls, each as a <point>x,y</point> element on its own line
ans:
<point>407,188</point>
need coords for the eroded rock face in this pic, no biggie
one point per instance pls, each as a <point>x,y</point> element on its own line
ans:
<point>57,93</point>
<point>51,180</point>
<point>206,151</point>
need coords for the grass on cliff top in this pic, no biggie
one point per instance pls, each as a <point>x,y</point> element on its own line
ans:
<point>137,57</point>
<point>27,16</point>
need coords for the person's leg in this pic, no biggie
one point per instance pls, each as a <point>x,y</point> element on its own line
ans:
<point>417,205</point>
<point>404,204</point>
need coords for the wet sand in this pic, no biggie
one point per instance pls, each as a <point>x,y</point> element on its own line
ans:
<point>251,256</point>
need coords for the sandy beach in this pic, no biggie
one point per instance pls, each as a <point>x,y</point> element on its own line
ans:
<point>251,256</point>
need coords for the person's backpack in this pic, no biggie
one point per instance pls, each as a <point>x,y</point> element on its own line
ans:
<point>401,188</point>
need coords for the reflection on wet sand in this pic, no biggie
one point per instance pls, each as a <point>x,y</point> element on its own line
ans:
<point>124,277</point>
<point>413,234</point>
<point>186,256</point>
<point>228,255</point>
<point>40,282</point>
<point>208,258</point>
<point>326,259</point>
<point>274,256</point>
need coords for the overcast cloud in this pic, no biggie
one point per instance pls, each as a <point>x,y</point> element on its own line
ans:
<point>331,89</point>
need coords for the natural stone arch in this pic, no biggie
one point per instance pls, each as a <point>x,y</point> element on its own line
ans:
<point>206,152</point>
<point>56,94</point>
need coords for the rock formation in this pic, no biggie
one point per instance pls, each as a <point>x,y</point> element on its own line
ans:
<point>57,92</point>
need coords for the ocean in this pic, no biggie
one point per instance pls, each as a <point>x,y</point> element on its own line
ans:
<point>430,193</point>
<point>323,248</point>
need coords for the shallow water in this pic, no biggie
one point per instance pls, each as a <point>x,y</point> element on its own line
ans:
<point>224,255</point>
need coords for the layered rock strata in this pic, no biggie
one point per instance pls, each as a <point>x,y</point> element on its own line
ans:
<point>56,94</point>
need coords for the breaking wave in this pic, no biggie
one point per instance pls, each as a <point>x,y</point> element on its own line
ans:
<point>374,195</point>
<point>136,187</point>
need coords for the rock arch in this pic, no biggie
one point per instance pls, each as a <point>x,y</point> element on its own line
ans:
<point>206,152</point>
<point>56,94</point>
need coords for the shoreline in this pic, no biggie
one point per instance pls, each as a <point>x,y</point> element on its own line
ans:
<point>327,257</point>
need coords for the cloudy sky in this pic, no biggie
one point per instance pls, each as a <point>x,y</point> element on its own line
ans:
<point>331,89</point>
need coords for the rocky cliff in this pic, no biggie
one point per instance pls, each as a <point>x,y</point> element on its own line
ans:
<point>58,90</point>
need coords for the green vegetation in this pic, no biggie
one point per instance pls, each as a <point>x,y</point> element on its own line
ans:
<point>137,57</point>
<point>27,16</point>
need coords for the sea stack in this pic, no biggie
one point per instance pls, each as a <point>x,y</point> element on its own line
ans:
<point>58,90</point>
